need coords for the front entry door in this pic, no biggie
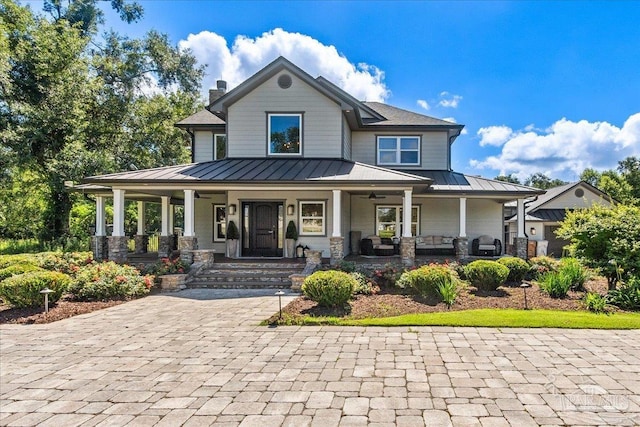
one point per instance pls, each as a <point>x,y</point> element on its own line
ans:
<point>263,226</point>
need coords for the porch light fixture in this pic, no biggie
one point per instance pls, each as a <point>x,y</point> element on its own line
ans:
<point>533,231</point>
<point>232,209</point>
<point>290,209</point>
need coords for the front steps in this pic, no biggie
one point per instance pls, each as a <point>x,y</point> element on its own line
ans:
<point>247,275</point>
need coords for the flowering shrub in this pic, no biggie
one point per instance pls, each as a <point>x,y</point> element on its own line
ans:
<point>106,280</point>
<point>365,286</point>
<point>543,264</point>
<point>64,262</point>
<point>23,290</point>
<point>168,266</point>
<point>387,276</point>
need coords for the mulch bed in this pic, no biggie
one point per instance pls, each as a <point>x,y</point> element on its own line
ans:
<point>394,302</point>
<point>58,311</point>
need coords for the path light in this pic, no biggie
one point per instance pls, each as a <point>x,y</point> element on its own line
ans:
<point>46,292</point>
<point>280,293</point>
<point>524,287</point>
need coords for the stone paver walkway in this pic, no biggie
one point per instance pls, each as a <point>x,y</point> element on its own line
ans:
<point>198,358</point>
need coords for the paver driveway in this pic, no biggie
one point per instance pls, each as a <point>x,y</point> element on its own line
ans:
<point>199,358</point>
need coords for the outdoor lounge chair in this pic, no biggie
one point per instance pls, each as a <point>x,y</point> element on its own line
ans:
<point>486,246</point>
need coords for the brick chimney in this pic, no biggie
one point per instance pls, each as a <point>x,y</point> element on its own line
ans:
<point>221,88</point>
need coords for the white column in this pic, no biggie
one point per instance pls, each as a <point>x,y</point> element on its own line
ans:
<point>463,217</point>
<point>172,217</point>
<point>118,212</point>
<point>164,216</point>
<point>189,217</point>
<point>521,219</point>
<point>337,215</point>
<point>141,219</point>
<point>406,213</point>
<point>101,229</point>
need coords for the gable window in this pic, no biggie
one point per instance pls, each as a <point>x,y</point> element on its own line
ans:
<point>399,150</point>
<point>219,223</point>
<point>284,133</point>
<point>312,218</point>
<point>219,146</point>
<point>389,220</point>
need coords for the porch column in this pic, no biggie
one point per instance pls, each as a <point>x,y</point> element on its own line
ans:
<point>141,239</point>
<point>165,243</point>
<point>408,241</point>
<point>188,241</point>
<point>118,240</point>
<point>521,239</point>
<point>462,242</point>
<point>336,241</point>
<point>99,240</point>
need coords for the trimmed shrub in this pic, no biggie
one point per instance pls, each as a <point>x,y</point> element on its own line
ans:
<point>543,264</point>
<point>23,290</point>
<point>9,260</point>
<point>108,280</point>
<point>595,302</point>
<point>426,280</point>
<point>577,274</point>
<point>518,268</point>
<point>15,269</point>
<point>486,275</point>
<point>627,296</point>
<point>329,288</point>
<point>64,262</point>
<point>555,283</point>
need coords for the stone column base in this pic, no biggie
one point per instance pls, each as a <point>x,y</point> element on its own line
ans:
<point>462,247</point>
<point>99,247</point>
<point>142,243</point>
<point>173,282</point>
<point>313,257</point>
<point>336,247</point>
<point>165,246</point>
<point>118,248</point>
<point>186,244</point>
<point>408,251</point>
<point>521,247</point>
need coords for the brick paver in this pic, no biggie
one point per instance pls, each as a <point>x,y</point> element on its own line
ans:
<point>199,358</point>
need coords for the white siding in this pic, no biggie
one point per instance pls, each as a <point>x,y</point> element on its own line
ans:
<point>247,119</point>
<point>434,149</point>
<point>203,146</point>
<point>569,200</point>
<point>346,221</point>
<point>346,139</point>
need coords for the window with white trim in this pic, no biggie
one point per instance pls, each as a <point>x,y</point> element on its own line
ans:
<point>389,220</point>
<point>219,146</point>
<point>398,150</point>
<point>219,223</point>
<point>312,218</point>
<point>284,133</point>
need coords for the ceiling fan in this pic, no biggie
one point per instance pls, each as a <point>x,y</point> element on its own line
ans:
<point>373,196</point>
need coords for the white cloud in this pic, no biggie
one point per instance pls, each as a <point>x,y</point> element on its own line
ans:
<point>247,55</point>
<point>563,150</point>
<point>494,135</point>
<point>423,104</point>
<point>449,100</point>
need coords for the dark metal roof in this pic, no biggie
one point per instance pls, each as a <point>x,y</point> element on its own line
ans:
<point>550,214</point>
<point>261,170</point>
<point>201,118</point>
<point>398,117</point>
<point>454,182</point>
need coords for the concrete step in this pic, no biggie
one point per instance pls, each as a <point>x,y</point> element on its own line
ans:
<point>237,285</point>
<point>243,278</point>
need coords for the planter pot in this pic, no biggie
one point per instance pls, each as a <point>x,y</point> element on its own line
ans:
<point>232,248</point>
<point>291,248</point>
<point>173,282</point>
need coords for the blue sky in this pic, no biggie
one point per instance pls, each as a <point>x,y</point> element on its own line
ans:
<point>549,87</point>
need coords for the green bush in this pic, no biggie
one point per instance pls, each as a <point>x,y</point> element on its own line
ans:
<point>329,288</point>
<point>364,287</point>
<point>15,269</point>
<point>577,274</point>
<point>346,266</point>
<point>626,296</point>
<point>9,260</point>
<point>595,302</point>
<point>387,276</point>
<point>427,279</point>
<point>486,275</point>
<point>448,291</point>
<point>64,262</point>
<point>518,268</point>
<point>543,264</point>
<point>555,283</point>
<point>99,281</point>
<point>23,290</point>
<point>167,266</point>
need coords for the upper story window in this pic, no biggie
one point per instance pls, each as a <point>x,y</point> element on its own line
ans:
<point>284,133</point>
<point>399,150</point>
<point>219,146</point>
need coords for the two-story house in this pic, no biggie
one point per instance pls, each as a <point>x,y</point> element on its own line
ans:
<point>284,146</point>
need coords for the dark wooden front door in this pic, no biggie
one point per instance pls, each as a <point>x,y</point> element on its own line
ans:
<point>263,228</point>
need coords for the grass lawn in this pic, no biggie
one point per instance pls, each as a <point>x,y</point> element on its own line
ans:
<point>503,318</point>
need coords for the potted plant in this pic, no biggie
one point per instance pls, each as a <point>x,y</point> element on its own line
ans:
<point>291,235</point>
<point>232,236</point>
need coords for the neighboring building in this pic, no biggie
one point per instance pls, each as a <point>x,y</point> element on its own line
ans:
<point>284,146</point>
<point>543,215</point>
